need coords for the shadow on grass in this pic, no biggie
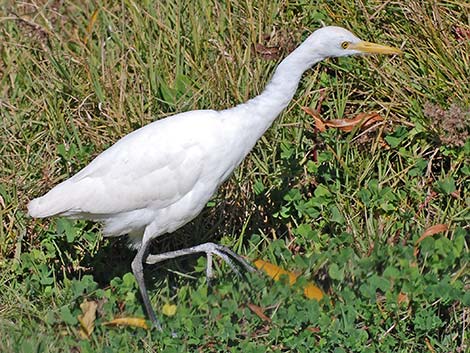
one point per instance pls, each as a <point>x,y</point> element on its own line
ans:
<point>114,257</point>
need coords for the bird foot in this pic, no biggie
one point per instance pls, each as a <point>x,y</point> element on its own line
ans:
<point>210,249</point>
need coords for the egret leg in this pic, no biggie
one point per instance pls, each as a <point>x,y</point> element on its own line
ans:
<point>209,273</point>
<point>210,249</point>
<point>138,271</point>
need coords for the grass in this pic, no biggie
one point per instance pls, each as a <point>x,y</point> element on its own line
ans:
<point>346,209</point>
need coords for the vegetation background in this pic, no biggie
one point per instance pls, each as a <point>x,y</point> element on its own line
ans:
<point>378,218</point>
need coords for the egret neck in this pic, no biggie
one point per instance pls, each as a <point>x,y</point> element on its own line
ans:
<point>259,112</point>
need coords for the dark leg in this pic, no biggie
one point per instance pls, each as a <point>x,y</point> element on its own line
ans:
<point>209,249</point>
<point>138,270</point>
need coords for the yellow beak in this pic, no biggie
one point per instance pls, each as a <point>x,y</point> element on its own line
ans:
<point>372,48</point>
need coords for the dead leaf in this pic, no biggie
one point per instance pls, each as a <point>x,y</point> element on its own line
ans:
<point>362,120</point>
<point>169,309</point>
<point>369,119</point>
<point>275,272</point>
<point>435,229</point>
<point>311,291</point>
<point>383,143</point>
<point>274,45</point>
<point>429,345</point>
<point>403,298</point>
<point>438,228</point>
<point>87,319</point>
<point>259,312</point>
<point>89,28</point>
<point>128,321</point>
<point>319,124</point>
<point>267,53</point>
<point>313,329</point>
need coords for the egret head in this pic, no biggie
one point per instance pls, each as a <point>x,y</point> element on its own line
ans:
<point>335,41</point>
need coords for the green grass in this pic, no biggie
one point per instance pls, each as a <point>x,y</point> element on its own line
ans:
<point>348,218</point>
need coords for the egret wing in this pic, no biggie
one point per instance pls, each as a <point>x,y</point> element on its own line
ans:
<point>154,166</point>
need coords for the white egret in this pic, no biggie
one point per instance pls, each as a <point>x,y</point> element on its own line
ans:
<point>160,177</point>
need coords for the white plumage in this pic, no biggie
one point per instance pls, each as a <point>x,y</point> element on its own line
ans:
<point>163,173</point>
<point>159,177</point>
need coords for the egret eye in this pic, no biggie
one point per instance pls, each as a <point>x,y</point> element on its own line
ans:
<point>345,45</point>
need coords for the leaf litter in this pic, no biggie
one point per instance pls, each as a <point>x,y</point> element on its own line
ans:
<point>311,291</point>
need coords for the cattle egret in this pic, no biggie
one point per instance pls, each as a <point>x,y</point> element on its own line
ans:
<point>160,177</point>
